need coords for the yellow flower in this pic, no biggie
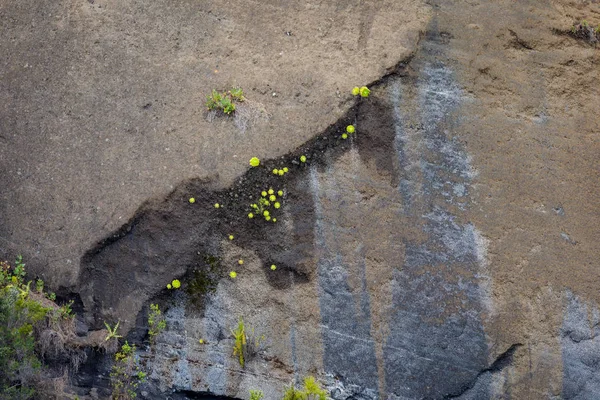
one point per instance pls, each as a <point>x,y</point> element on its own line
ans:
<point>266,213</point>
<point>276,205</point>
<point>272,197</point>
<point>355,91</point>
<point>233,274</point>
<point>350,129</point>
<point>273,267</point>
<point>254,162</point>
<point>303,159</point>
<point>240,262</point>
<point>344,136</point>
<point>192,200</point>
<point>250,215</point>
<point>280,193</point>
<point>169,286</point>
<point>281,172</point>
<point>230,237</point>
<point>217,205</point>
<point>176,284</point>
<point>263,193</point>
<point>271,191</point>
<point>285,169</point>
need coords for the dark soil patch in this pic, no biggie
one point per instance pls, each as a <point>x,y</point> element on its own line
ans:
<point>171,238</point>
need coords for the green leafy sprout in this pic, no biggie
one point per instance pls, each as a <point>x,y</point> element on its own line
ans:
<point>112,332</point>
<point>256,394</point>
<point>224,101</point>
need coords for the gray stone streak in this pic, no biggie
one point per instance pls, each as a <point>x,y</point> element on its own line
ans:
<point>580,342</point>
<point>437,300</point>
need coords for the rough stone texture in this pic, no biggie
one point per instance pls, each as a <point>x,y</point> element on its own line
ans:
<point>102,102</point>
<point>447,250</point>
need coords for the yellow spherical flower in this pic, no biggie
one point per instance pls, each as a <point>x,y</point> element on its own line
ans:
<point>281,172</point>
<point>230,237</point>
<point>350,129</point>
<point>285,169</point>
<point>266,213</point>
<point>233,274</point>
<point>273,267</point>
<point>169,286</point>
<point>303,159</point>
<point>254,162</point>
<point>355,91</point>
<point>263,193</point>
<point>192,200</point>
<point>241,262</point>
<point>176,284</point>
<point>250,215</point>
<point>280,193</point>
<point>217,205</point>
<point>344,136</point>
<point>271,191</point>
<point>275,171</point>
<point>276,205</point>
<point>272,197</point>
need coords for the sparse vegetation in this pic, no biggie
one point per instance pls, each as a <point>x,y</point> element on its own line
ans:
<point>312,391</point>
<point>126,375</point>
<point>584,30</point>
<point>156,322</point>
<point>32,328</point>
<point>256,394</point>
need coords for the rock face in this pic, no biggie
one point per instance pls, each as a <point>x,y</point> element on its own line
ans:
<point>446,250</point>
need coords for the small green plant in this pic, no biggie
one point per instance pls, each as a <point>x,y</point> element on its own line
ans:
<point>156,322</point>
<point>112,332</point>
<point>256,394</point>
<point>267,203</point>
<point>312,391</point>
<point>245,346</point>
<point>224,101</point>
<point>126,375</point>
<point>39,286</point>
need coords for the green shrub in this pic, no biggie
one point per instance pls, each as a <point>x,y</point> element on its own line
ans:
<point>31,327</point>
<point>256,394</point>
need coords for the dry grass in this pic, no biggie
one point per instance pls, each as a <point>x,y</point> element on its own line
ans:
<point>247,114</point>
